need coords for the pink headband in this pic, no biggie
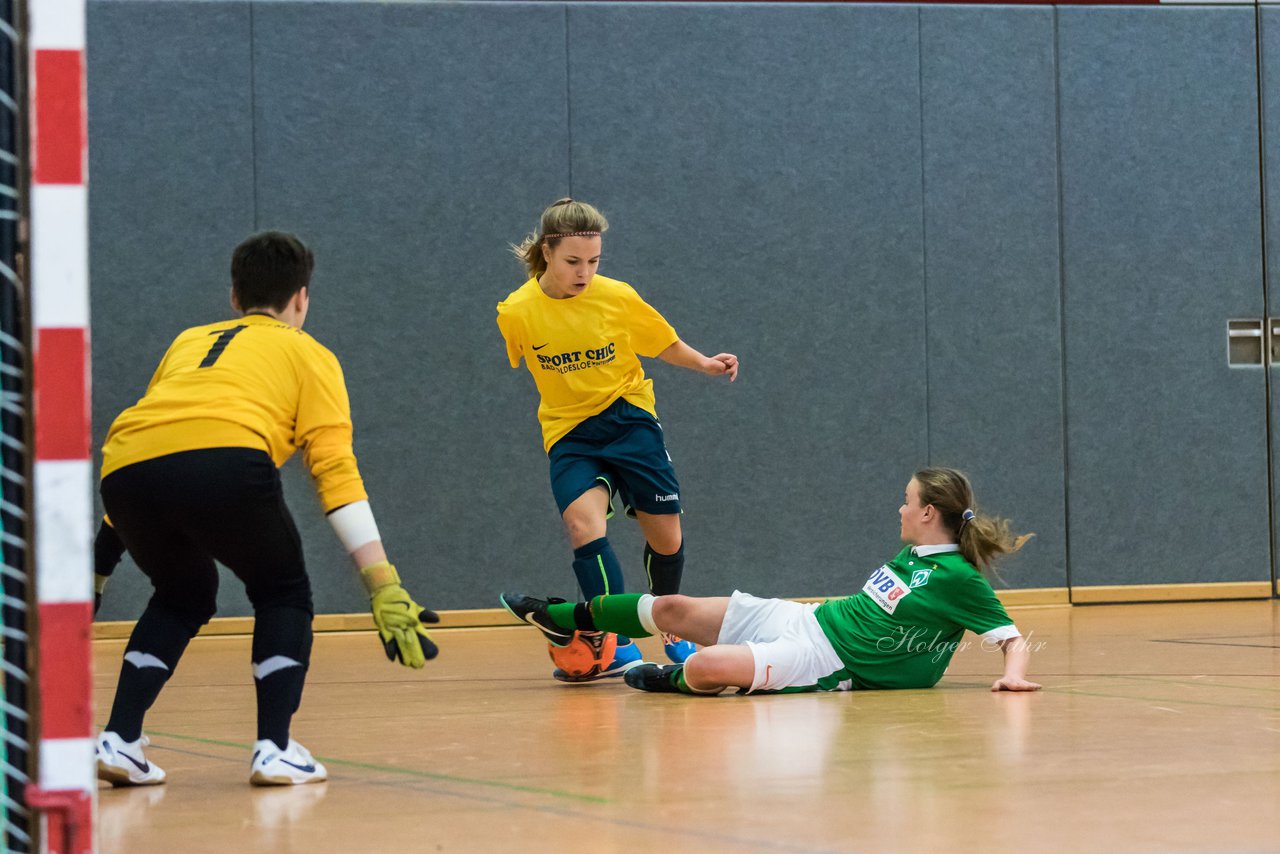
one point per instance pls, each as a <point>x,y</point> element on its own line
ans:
<point>571,234</point>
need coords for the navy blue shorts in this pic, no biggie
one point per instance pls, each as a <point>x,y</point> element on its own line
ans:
<point>623,448</point>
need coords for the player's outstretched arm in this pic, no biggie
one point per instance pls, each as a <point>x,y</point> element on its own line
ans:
<point>682,355</point>
<point>1016,657</point>
<point>400,620</point>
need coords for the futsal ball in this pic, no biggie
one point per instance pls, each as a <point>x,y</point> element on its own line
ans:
<point>586,654</point>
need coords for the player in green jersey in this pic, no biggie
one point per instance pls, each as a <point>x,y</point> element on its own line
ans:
<point>899,631</point>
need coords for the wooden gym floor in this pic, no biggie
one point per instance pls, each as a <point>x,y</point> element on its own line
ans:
<point>1158,729</point>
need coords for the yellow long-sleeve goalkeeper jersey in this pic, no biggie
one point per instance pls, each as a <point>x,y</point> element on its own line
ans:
<point>253,382</point>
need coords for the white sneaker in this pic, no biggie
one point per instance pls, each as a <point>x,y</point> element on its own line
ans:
<point>271,766</point>
<point>121,762</point>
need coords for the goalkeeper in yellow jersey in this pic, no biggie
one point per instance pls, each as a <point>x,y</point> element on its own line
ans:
<point>190,475</point>
<point>581,335</point>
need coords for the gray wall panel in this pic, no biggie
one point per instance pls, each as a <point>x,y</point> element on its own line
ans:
<point>171,193</point>
<point>1166,455</point>
<point>763,172</point>
<point>991,255</point>
<point>783,183</point>
<point>410,144</point>
<point>1269,36</point>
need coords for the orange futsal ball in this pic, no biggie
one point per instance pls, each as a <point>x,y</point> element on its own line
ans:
<point>586,654</point>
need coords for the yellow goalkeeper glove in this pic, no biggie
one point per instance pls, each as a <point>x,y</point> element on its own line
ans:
<point>399,619</point>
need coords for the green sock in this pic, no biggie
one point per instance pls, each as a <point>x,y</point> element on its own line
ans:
<point>618,613</point>
<point>562,614</point>
<point>610,613</point>
<point>679,683</point>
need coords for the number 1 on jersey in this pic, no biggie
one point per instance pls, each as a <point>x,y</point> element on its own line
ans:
<point>224,338</point>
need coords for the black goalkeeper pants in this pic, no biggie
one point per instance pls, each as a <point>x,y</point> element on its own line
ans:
<point>179,513</point>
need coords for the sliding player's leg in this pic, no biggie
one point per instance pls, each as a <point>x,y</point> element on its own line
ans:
<point>765,645</point>
<point>708,671</point>
<point>632,614</point>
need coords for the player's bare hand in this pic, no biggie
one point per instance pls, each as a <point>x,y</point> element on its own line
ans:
<point>725,364</point>
<point>1009,683</point>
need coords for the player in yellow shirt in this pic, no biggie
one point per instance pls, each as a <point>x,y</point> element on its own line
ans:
<point>190,475</point>
<point>581,335</point>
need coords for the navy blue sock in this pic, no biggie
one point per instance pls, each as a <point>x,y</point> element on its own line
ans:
<point>664,571</point>
<point>598,571</point>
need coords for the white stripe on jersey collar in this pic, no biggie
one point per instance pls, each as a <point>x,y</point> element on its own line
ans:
<point>925,551</point>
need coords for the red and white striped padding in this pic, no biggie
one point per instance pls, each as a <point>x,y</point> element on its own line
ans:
<point>63,477</point>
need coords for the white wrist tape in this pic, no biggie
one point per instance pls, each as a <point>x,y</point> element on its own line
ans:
<point>354,525</point>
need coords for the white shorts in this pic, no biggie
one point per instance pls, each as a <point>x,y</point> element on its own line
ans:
<point>789,646</point>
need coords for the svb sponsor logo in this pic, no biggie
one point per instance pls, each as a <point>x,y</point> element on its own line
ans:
<point>886,589</point>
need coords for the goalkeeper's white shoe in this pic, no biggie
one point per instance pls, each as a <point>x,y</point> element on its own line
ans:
<point>121,763</point>
<point>293,766</point>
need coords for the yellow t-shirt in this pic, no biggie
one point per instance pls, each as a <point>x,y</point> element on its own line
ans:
<point>583,351</point>
<point>254,382</point>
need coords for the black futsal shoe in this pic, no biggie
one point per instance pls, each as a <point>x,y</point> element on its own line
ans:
<point>654,677</point>
<point>533,611</point>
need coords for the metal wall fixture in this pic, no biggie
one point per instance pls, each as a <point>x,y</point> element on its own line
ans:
<point>1245,342</point>
<point>1248,338</point>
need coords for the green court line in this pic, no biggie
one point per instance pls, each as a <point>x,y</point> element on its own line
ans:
<point>409,772</point>
<point>1157,681</point>
<point>1072,691</point>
